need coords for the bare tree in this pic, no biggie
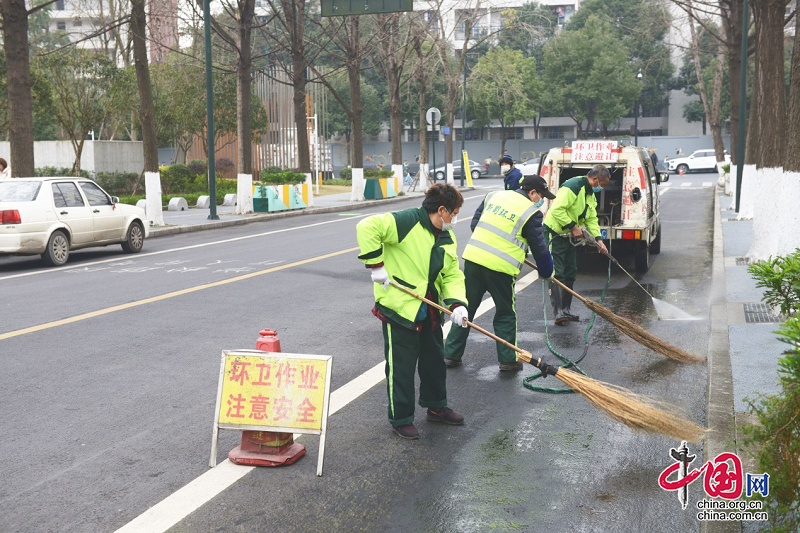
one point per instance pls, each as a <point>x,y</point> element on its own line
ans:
<point>146,107</point>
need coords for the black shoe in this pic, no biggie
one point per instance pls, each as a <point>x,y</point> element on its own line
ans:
<point>562,319</point>
<point>445,415</point>
<point>452,363</point>
<point>515,366</point>
<point>407,432</point>
<point>572,317</point>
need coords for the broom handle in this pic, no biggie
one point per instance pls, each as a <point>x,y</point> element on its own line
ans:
<point>575,294</point>
<point>520,351</point>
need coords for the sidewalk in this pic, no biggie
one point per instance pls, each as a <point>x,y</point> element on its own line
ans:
<point>197,219</point>
<point>743,348</point>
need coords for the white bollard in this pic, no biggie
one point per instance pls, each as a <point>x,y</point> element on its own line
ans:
<point>178,204</point>
<point>203,202</point>
<point>142,204</point>
<point>230,199</point>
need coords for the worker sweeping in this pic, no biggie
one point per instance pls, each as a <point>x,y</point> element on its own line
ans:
<point>575,204</point>
<point>504,226</point>
<point>416,249</point>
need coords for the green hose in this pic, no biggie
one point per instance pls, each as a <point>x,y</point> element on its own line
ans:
<point>568,363</point>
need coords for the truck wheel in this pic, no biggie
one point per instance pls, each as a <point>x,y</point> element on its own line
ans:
<point>682,169</point>
<point>655,246</point>
<point>643,259</point>
<point>57,251</point>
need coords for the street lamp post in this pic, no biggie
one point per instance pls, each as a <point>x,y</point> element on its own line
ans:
<point>636,116</point>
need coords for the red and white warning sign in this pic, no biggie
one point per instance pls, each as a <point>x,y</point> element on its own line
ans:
<point>595,151</point>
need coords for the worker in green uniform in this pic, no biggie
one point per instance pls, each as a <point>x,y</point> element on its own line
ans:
<point>504,226</point>
<point>416,248</point>
<point>575,204</point>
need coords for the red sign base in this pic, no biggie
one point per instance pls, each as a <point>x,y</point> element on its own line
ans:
<point>286,457</point>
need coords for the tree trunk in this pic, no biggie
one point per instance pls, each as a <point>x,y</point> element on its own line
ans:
<point>792,162</point>
<point>18,72</point>
<point>393,71</point>
<point>244,128</point>
<point>732,25</point>
<point>148,113</point>
<point>712,107</point>
<point>78,147</point>
<point>423,129</point>
<point>354,76</point>
<point>295,19</point>
<point>769,108</point>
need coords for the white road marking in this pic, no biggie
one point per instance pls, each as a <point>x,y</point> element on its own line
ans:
<point>686,184</point>
<point>706,184</point>
<point>203,489</point>
<point>662,192</point>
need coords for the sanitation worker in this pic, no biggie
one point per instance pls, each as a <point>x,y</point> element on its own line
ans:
<point>575,204</point>
<point>416,248</point>
<point>511,175</point>
<point>504,226</point>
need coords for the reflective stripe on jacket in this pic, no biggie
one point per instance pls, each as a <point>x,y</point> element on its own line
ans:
<point>404,242</point>
<point>575,204</point>
<point>497,242</point>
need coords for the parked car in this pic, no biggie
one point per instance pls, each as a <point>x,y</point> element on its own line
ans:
<point>53,216</point>
<point>699,160</point>
<point>476,170</point>
<point>529,167</point>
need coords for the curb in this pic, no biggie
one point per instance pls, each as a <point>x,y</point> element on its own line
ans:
<point>177,229</point>
<point>719,405</point>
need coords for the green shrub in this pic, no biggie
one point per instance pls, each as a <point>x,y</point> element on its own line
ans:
<point>271,169</point>
<point>282,178</point>
<point>54,172</point>
<point>117,183</point>
<point>337,182</point>
<point>198,167</point>
<point>346,173</point>
<point>726,168</point>
<point>777,439</point>
<point>175,178</point>
<point>374,173</point>
<point>780,277</point>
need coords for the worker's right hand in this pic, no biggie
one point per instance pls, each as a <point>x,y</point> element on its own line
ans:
<point>380,276</point>
<point>577,232</point>
<point>459,316</point>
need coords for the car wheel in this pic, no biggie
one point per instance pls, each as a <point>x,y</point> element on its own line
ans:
<point>476,174</point>
<point>682,169</point>
<point>440,175</point>
<point>57,251</point>
<point>643,259</point>
<point>655,246</point>
<point>134,239</point>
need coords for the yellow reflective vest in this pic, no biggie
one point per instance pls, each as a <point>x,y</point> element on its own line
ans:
<point>497,242</point>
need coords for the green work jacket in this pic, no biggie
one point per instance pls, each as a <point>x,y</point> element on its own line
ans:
<point>497,242</point>
<point>575,204</point>
<point>414,258</point>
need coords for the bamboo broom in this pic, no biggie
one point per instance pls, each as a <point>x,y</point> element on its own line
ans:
<point>637,333</point>
<point>635,411</point>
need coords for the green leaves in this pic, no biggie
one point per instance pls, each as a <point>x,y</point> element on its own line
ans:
<point>780,277</point>
<point>503,86</point>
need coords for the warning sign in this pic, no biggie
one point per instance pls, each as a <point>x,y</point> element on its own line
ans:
<point>595,151</point>
<point>272,391</point>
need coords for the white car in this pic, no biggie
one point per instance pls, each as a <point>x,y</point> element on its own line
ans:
<point>529,167</point>
<point>699,160</point>
<point>52,216</point>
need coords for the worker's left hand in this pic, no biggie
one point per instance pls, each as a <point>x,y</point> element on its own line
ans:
<point>602,247</point>
<point>459,316</point>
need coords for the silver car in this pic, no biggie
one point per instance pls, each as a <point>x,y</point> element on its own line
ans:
<point>53,216</point>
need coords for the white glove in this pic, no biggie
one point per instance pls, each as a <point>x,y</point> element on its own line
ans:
<point>460,316</point>
<point>380,276</point>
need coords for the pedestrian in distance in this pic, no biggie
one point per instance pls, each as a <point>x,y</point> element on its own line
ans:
<point>5,171</point>
<point>575,205</point>
<point>504,226</point>
<point>511,175</point>
<point>654,158</point>
<point>416,248</point>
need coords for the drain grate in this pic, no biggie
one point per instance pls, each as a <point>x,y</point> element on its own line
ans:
<point>759,314</point>
<point>742,261</point>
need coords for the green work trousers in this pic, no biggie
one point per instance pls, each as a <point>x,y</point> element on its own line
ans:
<point>479,279</point>
<point>407,350</point>
<point>565,262</point>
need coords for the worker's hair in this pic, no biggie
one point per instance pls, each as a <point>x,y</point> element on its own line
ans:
<point>442,194</point>
<point>600,172</point>
<point>3,163</point>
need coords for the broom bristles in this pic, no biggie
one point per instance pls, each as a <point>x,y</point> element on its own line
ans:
<point>641,335</point>
<point>638,412</point>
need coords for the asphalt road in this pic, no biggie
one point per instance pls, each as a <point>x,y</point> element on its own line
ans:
<point>111,366</point>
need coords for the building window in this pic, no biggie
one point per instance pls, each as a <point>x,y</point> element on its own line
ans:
<point>551,132</point>
<point>61,25</point>
<point>432,19</point>
<point>60,5</point>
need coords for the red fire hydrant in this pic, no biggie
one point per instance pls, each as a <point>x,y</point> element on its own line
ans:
<point>267,448</point>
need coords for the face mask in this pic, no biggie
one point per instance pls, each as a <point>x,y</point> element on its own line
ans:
<point>505,169</point>
<point>597,189</point>
<point>448,226</point>
<point>539,204</point>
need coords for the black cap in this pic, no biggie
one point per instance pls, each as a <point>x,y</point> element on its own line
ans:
<point>536,183</point>
<point>506,159</point>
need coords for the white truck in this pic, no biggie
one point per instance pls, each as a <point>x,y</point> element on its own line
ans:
<point>628,208</point>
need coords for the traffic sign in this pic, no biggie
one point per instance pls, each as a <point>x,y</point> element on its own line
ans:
<point>433,116</point>
<point>446,130</point>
